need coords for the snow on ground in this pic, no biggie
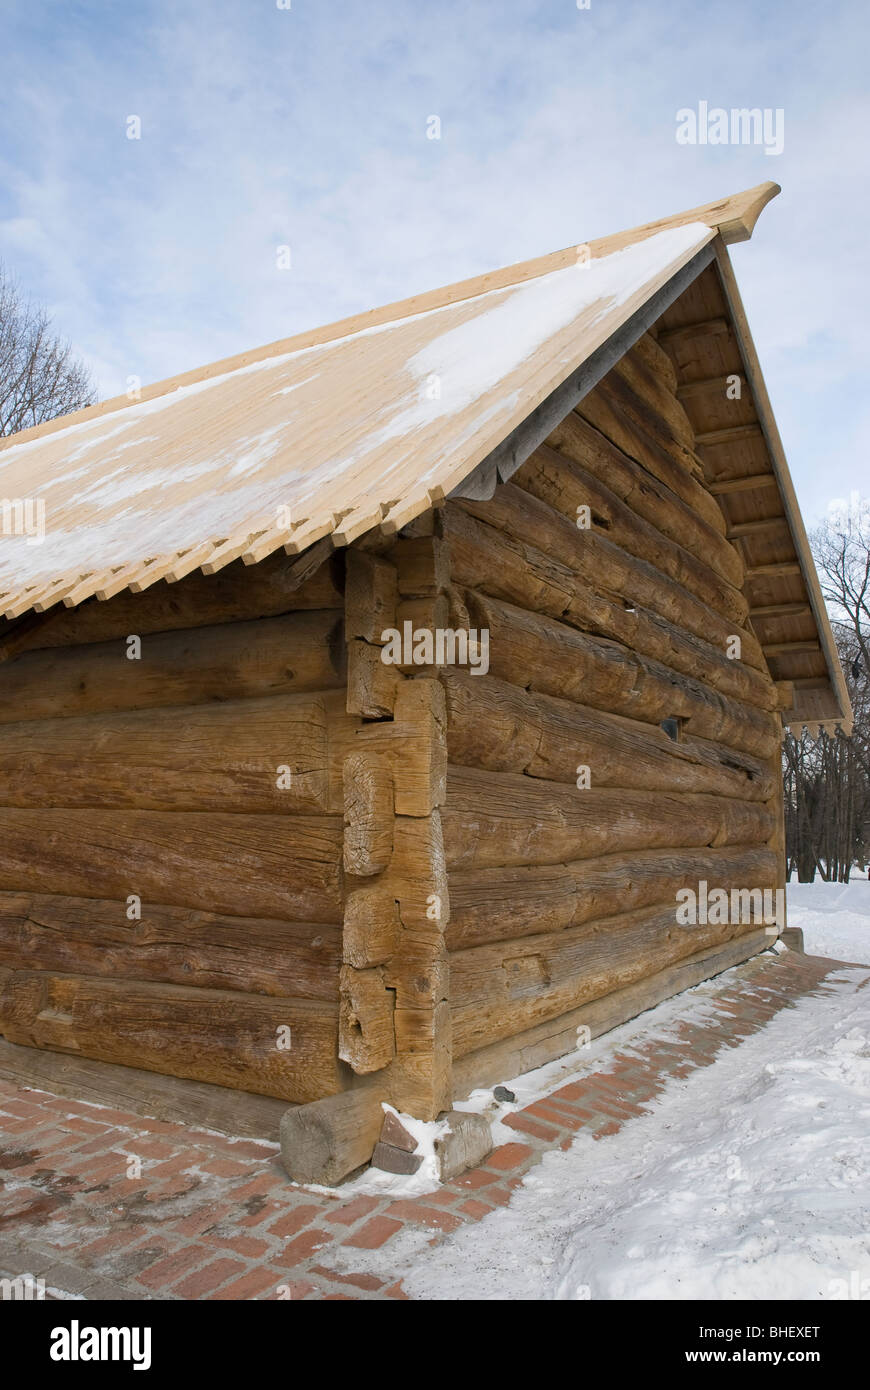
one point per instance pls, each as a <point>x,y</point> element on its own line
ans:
<point>834,918</point>
<point>748,1179</point>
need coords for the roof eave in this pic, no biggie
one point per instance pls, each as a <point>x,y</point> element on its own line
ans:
<point>788,496</point>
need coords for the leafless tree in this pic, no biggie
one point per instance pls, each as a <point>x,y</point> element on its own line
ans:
<point>827,779</point>
<point>39,377</point>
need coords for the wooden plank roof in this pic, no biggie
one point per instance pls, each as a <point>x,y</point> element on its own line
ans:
<point>362,423</point>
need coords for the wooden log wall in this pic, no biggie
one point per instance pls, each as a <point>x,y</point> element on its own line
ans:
<point>238,846</point>
<point>614,603</point>
<point>172,827</point>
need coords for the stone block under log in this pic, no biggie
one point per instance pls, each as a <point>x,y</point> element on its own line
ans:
<point>465,1145</point>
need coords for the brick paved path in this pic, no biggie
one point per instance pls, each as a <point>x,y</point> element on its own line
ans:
<point>212,1217</point>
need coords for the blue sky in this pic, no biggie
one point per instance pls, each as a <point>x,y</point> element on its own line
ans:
<point>307,127</point>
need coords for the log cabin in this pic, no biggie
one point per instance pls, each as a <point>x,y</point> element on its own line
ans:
<point>261,863</point>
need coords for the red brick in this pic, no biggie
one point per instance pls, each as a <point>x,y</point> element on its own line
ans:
<point>67,1107</point>
<point>475,1209</point>
<point>258,1214</point>
<point>164,1272</point>
<point>201,1219</point>
<point>562,1116</point>
<point>422,1215</point>
<point>369,1282</point>
<point>240,1245</point>
<point>48,1137</point>
<point>445,1197</point>
<point>396,1291</point>
<point>346,1213</point>
<point>499,1195</point>
<point>204,1280</point>
<point>259,1186</point>
<point>476,1177</point>
<point>255,1282</point>
<point>303,1247</point>
<point>225,1167</point>
<point>156,1172</point>
<point>293,1221</point>
<point>21,1109</point>
<point>374,1233</point>
<point>20,1127</point>
<point>261,1149</point>
<point>538,1131</point>
<point>146,1146</point>
<point>109,1167</point>
<point>576,1090</point>
<point>610,1128</point>
<point>509,1156</point>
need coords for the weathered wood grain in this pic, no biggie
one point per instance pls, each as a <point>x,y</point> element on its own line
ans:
<point>500,728</point>
<point>540,654</point>
<point>286,655</point>
<point>94,936</point>
<point>496,819</point>
<point>500,990</point>
<point>500,904</point>
<point>288,867</point>
<point>267,755</point>
<point>208,1035</point>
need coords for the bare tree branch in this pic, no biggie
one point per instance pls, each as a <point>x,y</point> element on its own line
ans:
<point>39,376</point>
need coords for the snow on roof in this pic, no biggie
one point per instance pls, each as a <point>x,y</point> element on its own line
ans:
<point>333,438</point>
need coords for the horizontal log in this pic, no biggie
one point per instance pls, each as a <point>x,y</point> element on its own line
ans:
<point>566,485</point>
<point>493,562</point>
<point>605,413</point>
<point>94,936</point>
<point>500,728</point>
<point>656,405</point>
<point>496,819</point>
<point>497,991</point>
<point>489,905</point>
<point>287,867</point>
<point>300,652</point>
<point>537,653</point>
<point>647,495</point>
<point>237,593</point>
<point>273,1047</point>
<point>606,568</point>
<point>653,355</point>
<point>544,1042</point>
<point>268,755</point>
<point>637,424</point>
